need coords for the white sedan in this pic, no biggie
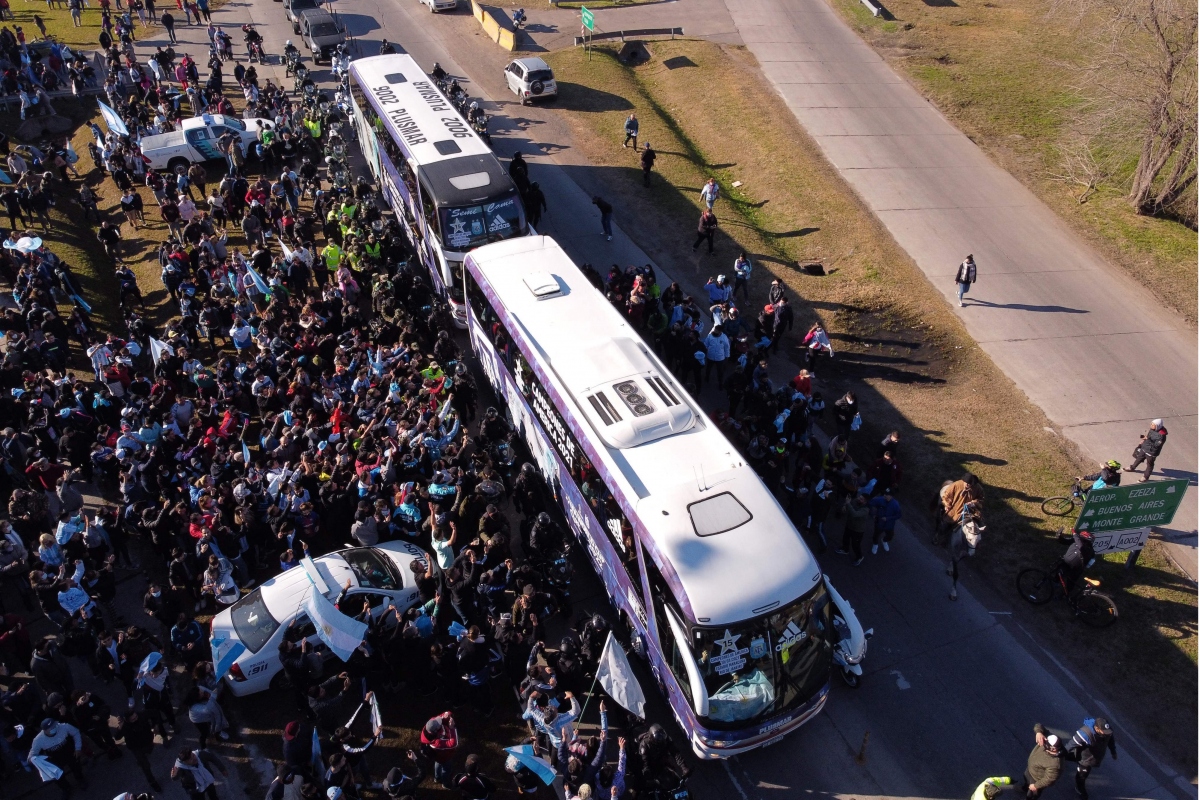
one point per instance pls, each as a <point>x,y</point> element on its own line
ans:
<point>381,574</point>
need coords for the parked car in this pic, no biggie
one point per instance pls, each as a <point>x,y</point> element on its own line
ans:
<point>531,79</point>
<point>322,33</point>
<point>196,140</point>
<point>259,620</point>
<point>292,9</point>
<point>441,5</point>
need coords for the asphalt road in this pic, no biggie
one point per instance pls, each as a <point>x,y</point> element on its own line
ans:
<point>952,690</point>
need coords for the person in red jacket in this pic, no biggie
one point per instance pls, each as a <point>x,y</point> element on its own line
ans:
<point>439,740</point>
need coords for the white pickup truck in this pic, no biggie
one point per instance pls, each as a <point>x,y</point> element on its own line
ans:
<point>196,140</point>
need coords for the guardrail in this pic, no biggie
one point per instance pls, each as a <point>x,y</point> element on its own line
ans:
<point>500,35</point>
<point>631,34</point>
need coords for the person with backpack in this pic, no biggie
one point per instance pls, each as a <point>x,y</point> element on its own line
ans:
<point>1087,748</point>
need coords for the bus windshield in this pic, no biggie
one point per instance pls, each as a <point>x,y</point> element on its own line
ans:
<point>466,227</point>
<point>766,666</point>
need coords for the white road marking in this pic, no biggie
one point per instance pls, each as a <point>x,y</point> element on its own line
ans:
<point>728,771</point>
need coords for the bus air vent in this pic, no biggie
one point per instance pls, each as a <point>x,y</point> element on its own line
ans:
<point>395,77</point>
<point>604,408</point>
<point>631,393</point>
<point>543,285</point>
<point>662,390</point>
<point>447,147</point>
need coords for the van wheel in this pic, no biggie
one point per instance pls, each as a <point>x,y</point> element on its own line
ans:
<point>296,29</point>
<point>175,163</point>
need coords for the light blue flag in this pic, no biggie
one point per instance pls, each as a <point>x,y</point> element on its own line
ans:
<point>340,633</point>
<point>4,177</point>
<point>318,763</point>
<point>245,454</point>
<point>112,119</point>
<point>82,303</point>
<point>228,658</point>
<point>524,755</point>
<point>258,281</point>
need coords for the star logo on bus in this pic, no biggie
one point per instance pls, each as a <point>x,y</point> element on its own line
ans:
<point>728,642</point>
<point>458,226</point>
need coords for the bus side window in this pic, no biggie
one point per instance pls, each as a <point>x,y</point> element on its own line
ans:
<point>659,592</point>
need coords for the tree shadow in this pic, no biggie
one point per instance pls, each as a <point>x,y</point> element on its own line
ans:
<point>577,97</point>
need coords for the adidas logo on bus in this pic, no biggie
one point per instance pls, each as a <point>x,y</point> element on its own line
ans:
<point>791,635</point>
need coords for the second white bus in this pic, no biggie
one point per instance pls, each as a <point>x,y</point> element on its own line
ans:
<point>444,184</point>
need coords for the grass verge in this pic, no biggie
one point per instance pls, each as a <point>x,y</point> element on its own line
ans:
<point>1002,72</point>
<point>899,347</point>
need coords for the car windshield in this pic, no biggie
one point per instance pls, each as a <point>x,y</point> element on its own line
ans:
<point>324,29</point>
<point>252,622</point>
<point>372,570</point>
<point>540,75</point>
<point>299,5</point>
<point>236,124</point>
<point>472,226</point>
<point>766,666</point>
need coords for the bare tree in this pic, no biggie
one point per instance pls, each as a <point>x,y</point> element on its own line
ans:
<point>1141,90</point>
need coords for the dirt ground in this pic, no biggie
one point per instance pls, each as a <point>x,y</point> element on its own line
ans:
<point>705,111</point>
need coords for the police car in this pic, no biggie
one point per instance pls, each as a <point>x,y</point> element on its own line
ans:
<point>259,620</point>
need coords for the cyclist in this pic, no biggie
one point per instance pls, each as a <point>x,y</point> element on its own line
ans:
<point>1079,556</point>
<point>1108,477</point>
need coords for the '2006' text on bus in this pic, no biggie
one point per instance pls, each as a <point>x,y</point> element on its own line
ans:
<point>718,589</point>
<point>443,182</point>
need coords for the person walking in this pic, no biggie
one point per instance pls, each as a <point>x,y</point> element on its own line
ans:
<point>61,744</point>
<point>194,771</point>
<point>138,734</point>
<point>710,193</point>
<point>605,215</point>
<point>518,170</point>
<point>1149,449</point>
<point>858,516</point>
<point>887,513</point>
<point>535,204</point>
<point>1044,764</point>
<point>967,274</point>
<point>648,156</point>
<point>631,131</point>
<point>706,229</point>
<point>168,22</point>
<point>1087,748</point>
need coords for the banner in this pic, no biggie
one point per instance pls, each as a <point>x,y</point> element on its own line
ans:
<point>616,676</point>
<point>158,347</point>
<point>340,633</point>
<point>227,659</point>
<point>113,120</point>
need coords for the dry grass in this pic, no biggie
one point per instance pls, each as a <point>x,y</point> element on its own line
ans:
<point>912,365</point>
<point>1001,70</point>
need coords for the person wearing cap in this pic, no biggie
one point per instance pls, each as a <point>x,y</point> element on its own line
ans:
<point>1108,477</point>
<point>1087,748</point>
<point>991,788</point>
<point>297,749</point>
<point>400,783</point>
<point>1149,449</point>
<point>1044,764</point>
<point>62,745</point>
<point>439,740</point>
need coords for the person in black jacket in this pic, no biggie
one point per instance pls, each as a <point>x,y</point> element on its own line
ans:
<point>660,763</point>
<point>471,784</point>
<point>1087,748</point>
<point>1149,449</point>
<point>844,411</point>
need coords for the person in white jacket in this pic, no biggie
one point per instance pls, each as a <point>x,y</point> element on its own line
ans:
<point>716,347</point>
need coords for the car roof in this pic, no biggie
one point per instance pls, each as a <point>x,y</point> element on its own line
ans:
<point>533,62</point>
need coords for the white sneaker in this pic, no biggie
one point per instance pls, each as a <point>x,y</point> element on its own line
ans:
<point>608,238</point>
<point>961,305</point>
<point>224,736</point>
<point>874,549</point>
<point>885,547</point>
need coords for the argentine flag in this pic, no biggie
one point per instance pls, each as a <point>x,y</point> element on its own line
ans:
<point>340,633</point>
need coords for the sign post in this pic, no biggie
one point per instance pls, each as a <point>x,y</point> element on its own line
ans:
<point>589,24</point>
<point>1123,508</point>
<point>1120,518</point>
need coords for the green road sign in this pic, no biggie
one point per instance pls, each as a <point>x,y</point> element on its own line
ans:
<point>1142,505</point>
<point>589,21</point>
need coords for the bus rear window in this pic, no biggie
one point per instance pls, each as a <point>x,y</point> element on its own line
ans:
<point>252,622</point>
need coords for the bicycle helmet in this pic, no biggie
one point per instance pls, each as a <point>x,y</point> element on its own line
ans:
<point>1113,463</point>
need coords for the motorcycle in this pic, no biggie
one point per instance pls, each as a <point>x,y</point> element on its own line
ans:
<point>519,19</point>
<point>300,80</point>
<point>339,173</point>
<point>479,122</point>
<point>505,454</point>
<point>851,646</point>
<point>291,59</point>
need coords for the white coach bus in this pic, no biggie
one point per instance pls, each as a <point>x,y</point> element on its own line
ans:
<point>443,182</point>
<point>719,590</point>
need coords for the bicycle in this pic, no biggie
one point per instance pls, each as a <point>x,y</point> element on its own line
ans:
<point>1094,608</point>
<point>1064,505</point>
